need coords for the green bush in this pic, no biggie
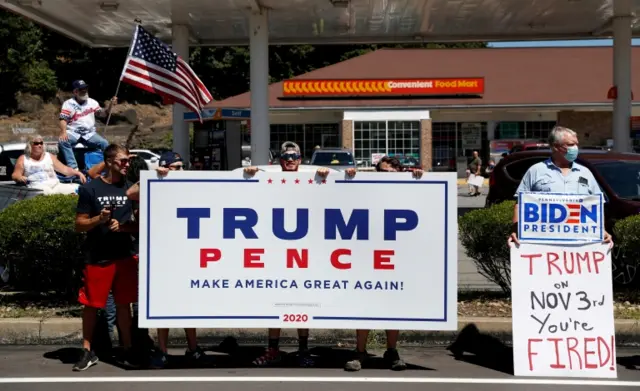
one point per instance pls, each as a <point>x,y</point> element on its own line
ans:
<point>38,239</point>
<point>484,233</point>
<point>626,252</point>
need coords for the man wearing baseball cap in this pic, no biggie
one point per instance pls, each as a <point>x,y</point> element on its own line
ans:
<point>170,161</point>
<point>290,159</point>
<point>78,123</point>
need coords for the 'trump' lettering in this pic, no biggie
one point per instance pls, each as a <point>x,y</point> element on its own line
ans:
<point>335,223</point>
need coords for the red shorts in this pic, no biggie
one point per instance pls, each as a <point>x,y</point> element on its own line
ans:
<point>119,276</point>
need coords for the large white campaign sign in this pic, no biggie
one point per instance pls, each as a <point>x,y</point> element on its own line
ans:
<point>291,250</point>
<point>560,218</point>
<point>562,299</point>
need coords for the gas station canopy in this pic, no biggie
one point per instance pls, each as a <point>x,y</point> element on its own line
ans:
<point>110,23</point>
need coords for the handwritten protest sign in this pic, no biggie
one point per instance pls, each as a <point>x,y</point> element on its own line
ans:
<point>563,310</point>
<point>560,218</point>
<point>219,249</point>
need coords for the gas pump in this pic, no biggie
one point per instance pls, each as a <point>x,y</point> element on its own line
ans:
<point>209,144</point>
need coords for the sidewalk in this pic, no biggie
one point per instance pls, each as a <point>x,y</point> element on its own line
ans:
<point>68,331</point>
<point>463,181</point>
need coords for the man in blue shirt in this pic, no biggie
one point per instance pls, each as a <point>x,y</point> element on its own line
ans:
<point>559,174</point>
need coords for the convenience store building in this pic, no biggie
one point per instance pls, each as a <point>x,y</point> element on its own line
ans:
<point>438,105</point>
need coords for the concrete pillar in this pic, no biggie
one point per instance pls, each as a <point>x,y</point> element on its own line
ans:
<point>346,133</point>
<point>426,144</point>
<point>259,75</point>
<point>622,74</point>
<point>180,45</point>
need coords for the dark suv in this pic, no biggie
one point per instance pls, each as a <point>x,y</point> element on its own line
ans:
<point>618,175</point>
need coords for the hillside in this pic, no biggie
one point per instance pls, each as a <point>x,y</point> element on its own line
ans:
<point>138,125</point>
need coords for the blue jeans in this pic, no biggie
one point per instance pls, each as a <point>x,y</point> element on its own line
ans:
<point>66,147</point>
<point>110,310</point>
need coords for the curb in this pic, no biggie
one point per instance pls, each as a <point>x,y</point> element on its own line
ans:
<point>463,181</point>
<point>53,331</point>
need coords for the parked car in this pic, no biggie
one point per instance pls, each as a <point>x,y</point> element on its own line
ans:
<point>529,146</point>
<point>10,152</point>
<point>617,174</point>
<point>150,157</point>
<point>336,158</point>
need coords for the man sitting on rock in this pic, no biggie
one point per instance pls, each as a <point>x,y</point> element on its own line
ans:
<point>78,123</point>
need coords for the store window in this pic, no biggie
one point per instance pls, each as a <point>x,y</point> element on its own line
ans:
<point>370,137</point>
<point>524,130</point>
<point>404,141</point>
<point>400,139</point>
<point>307,136</point>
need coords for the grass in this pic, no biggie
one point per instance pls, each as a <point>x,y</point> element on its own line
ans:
<point>470,304</point>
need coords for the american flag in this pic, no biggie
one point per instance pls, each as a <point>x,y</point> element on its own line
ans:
<point>153,67</point>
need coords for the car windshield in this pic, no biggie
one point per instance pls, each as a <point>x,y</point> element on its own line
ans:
<point>332,159</point>
<point>622,175</point>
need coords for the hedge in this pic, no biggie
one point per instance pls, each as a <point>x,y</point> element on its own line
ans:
<point>484,233</point>
<point>40,245</point>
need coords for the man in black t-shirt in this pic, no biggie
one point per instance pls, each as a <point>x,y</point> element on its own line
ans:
<point>106,214</point>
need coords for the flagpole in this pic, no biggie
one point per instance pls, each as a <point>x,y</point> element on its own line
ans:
<point>138,22</point>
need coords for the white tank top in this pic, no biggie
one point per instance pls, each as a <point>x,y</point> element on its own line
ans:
<point>40,172</point>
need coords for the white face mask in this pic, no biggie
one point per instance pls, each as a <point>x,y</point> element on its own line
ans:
<point>82,97</point>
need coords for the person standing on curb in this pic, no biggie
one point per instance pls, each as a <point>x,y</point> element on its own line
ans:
<point>105,213</point>
<point>558,174</point>
<point>170,161</point>
<point>290,159</point>
<point>391,355</point>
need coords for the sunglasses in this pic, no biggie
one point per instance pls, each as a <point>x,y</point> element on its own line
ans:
<point>122,162</point>
<point>292,156</point>
<point>37,143</point>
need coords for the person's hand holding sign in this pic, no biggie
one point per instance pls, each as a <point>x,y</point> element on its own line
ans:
<point>323,172</point>
<point>251,171</point>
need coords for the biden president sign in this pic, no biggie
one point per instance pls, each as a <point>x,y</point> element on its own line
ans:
<point>294,250</point>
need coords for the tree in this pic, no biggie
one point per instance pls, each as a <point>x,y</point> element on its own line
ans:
<point>22,68</point>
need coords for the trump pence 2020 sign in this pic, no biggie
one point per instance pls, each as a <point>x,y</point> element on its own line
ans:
<point>289,249</point>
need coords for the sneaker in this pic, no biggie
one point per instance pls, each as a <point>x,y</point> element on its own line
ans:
<point>395,362</point>
<point>356,364</point>
<point>305,360</point>
<point>195,355</point>
<point>271,357</point>
<point>158,360</point>
<point>88,360</point>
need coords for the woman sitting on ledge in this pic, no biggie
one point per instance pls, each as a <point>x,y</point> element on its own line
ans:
<point>37,169</point>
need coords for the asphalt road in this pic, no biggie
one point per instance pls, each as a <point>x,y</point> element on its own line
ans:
<point>25,368</point>
<point>468,276</point>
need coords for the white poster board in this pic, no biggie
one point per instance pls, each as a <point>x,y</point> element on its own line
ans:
<point>560,218</point>
<point>290,250</point>
<point>562,300</point>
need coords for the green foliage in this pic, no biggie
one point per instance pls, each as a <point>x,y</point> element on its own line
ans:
<point>38,239</point>
<point>40,80</point>
<point>22,67</point>
<point>627,237</point>
<point>484,233</point>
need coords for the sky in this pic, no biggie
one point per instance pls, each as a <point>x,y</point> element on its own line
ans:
<point>591,42</point>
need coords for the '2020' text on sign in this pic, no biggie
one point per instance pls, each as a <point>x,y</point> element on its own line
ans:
<point>560,218</point>
<point>562,304</point>
<point>287,249</point>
